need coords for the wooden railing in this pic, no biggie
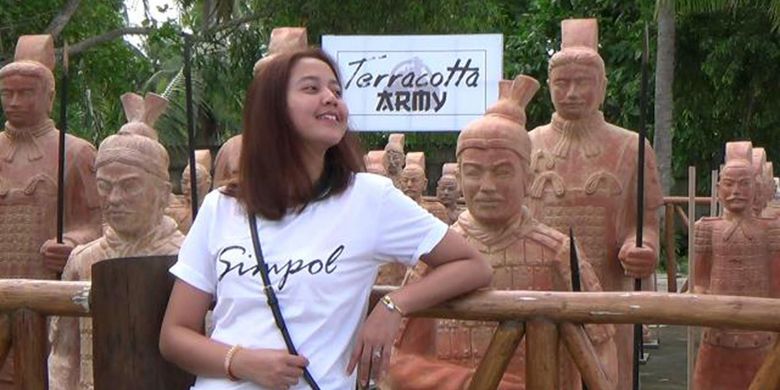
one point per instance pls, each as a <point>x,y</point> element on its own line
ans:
<point>121,349</point>
<point>675,208</point>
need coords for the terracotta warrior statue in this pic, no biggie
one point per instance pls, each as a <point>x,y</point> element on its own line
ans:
<point>736,254</point>
<point>414,182</point>
<point>760,188</point>
<point>29,152</point>
<point>772,209</point>
<point>586,174</point>
<point>448,192</point>
<point>375,162</point>
<point>394,158</point>
<point>494,155</point>
<point>133,184</point>
<point>180,206</point>
<point>283,39</point>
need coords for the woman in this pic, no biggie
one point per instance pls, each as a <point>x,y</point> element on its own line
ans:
<point>323,230</point>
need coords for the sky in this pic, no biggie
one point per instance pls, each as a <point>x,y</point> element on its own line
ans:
<point>135,14</point>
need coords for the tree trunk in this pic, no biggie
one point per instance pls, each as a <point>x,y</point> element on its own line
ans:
<point>61,20</point>
<point>664,96</point>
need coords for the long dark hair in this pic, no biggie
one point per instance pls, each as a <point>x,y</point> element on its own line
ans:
<point>272,178</point>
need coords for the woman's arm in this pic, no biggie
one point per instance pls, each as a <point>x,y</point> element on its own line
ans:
<point>183,343</point>
<point>456,268</point>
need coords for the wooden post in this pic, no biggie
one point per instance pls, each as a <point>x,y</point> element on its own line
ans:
<point>128,301</point>
<point>541,360</point>
<point>584,356</point>
<point>498,355</point>
<point>691,347</point>
<point>671,245</point>
<point>30,339</point>
<point>768,376</point>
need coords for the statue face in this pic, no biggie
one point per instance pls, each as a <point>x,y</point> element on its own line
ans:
<point>25,102</point>
<point>131,199</point>
<point>413,183</point>
<point>577,90</point>
<point>493,183</point>
<point>394,161</point>
<point>735,189</point>
<point>447,191</point>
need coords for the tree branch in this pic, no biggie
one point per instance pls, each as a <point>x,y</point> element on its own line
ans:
<point>105,37</point>
<point>61,20</point>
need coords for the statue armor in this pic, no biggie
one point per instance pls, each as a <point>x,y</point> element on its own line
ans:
<point>591,203</point>
<point>736,254</point>
<point>527,256</point>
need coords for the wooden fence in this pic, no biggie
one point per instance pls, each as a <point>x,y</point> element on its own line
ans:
<point>127,298</point>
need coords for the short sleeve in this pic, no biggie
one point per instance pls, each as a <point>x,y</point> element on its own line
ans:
<point>196,264</point>
<point>406,231</point>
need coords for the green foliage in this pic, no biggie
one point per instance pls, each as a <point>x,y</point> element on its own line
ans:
<point>726,88</point>
<point>770,8</point>
<point>97,77</point>
<point>727,72</point>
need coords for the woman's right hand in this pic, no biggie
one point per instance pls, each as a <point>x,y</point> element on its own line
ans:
<point>271,368</point>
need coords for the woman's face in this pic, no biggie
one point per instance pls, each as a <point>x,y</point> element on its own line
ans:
<point>315,106</point>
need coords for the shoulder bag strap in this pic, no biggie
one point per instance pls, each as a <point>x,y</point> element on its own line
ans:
<point>273,303</point>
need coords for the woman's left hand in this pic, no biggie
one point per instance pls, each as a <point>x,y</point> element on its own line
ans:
<point>375,344</point>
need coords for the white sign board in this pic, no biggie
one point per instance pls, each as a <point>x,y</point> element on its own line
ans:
<point>417,82</point>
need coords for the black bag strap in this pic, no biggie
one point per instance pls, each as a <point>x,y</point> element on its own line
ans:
<point>273,303</point>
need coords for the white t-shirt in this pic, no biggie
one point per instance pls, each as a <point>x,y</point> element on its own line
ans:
<point>322,265</point>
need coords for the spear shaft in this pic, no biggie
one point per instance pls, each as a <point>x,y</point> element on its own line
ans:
<point>574,263</point>
<point>640,192</point>
<point>61,157</point>
<point>190,123</point>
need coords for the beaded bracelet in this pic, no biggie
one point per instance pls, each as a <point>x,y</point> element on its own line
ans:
<point>229,359</point>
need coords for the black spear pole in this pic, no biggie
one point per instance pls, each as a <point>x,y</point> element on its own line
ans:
<point>61,157</point>
<point>640,192</point>
<point>574,263</point>
<point>190,122</point>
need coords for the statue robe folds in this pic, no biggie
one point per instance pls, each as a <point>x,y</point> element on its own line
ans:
<point>739,258</point>
<point>585,177</point>
<point>526,255</point>
<point>70,361</point>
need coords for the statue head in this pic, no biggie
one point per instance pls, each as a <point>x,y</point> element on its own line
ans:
<point>447,190</point>
<point>769,182</point>
<point>283,40</point>
<point>413,179</point>
<point>202,176</point>
<point>736,185</point>
<point>375,162</point>
<point>577,76</point>
<point>760,199</point>
<point>394,154</point>
<point>27,84</point>
<point>132,172</point>
<point>494,154</point>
